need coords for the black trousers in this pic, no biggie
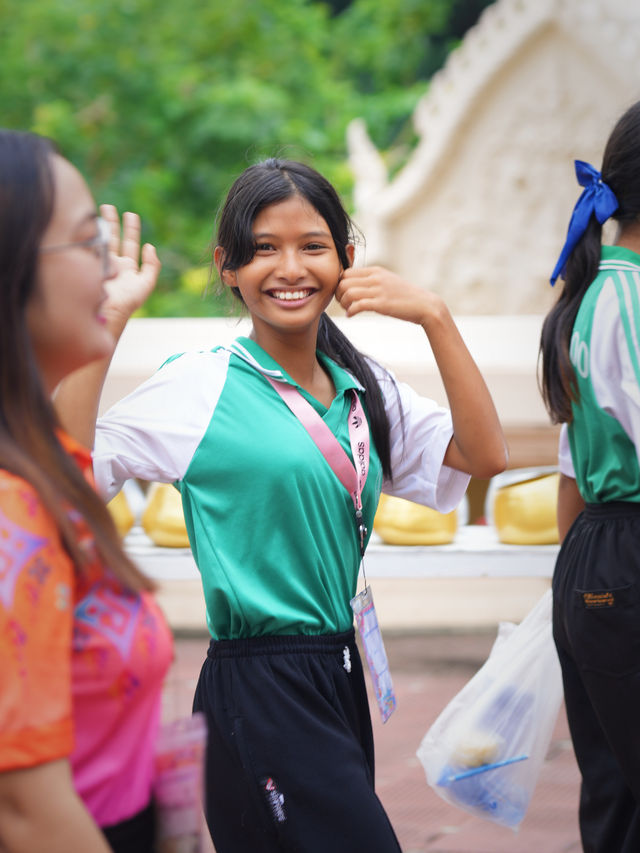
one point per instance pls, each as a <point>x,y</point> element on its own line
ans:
<point>289,763</point>
<point>596,622</point>
<point>135,835</point>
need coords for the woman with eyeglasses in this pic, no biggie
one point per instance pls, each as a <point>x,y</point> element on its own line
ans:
<point>84,648</point>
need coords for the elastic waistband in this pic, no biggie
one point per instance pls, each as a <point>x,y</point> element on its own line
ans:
<point>612,509</point>
<point>281,644</point>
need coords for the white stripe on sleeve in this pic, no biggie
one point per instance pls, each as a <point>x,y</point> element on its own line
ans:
<point>565,462</point>
<point>612,371</point>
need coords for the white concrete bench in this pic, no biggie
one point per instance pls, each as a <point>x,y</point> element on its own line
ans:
<point>475,552</point>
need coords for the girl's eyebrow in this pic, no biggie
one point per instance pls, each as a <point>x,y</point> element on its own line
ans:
<point>263,234</point>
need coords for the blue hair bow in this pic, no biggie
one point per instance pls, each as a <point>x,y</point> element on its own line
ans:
<point>598,198</point>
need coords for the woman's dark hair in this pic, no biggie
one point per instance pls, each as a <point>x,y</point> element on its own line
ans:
<point>29,445</point>
<point>621,172</point>
<point>273,181</point>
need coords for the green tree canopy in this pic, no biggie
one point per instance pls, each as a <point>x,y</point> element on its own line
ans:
<point>161,104</point>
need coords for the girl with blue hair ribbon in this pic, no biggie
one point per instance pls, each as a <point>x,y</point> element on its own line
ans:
<point>590,348</point>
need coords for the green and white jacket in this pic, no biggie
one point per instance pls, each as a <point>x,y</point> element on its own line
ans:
<point>601,447</point>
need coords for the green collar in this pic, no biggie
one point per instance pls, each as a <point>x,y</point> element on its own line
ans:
<point>612,254</point>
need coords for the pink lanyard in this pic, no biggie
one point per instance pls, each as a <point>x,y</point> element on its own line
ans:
<point>352,475</point>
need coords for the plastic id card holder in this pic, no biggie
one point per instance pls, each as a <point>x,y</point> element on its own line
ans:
<point>367,622</point>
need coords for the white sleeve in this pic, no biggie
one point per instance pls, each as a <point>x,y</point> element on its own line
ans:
<point>614,361</point>
<point>154,432</point>
<point>565,463</point>
<point>420,432</point>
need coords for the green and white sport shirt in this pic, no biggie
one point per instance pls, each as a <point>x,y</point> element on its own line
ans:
<point>601,447</point>
<point>272,530</point>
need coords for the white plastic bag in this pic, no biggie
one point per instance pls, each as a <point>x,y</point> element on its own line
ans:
<point>485,750</point>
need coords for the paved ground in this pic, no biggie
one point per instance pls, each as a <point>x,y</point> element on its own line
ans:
<point>428,669</point>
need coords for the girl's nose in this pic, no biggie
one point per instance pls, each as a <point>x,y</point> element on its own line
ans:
<point>290,266</point>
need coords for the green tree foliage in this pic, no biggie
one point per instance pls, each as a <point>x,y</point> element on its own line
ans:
<point>162,104</point>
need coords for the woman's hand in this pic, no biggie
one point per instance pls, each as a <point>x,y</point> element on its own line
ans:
<point>132,281</point>
<point>380,290</point>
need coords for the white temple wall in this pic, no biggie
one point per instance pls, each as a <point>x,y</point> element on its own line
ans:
<point>480,211</point>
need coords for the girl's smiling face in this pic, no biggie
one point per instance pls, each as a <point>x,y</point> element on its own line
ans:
<point>294,272</point>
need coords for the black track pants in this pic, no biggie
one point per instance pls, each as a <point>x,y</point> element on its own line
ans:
<point>596,620</point>
<point>136,834</point>
<point>289,763</point>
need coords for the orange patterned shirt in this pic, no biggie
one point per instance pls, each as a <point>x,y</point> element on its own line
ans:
<point>83,660</point>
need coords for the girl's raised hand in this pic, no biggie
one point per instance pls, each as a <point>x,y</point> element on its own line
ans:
<point>380,290</point>
<point>136,272</point>
<point>477,445</point>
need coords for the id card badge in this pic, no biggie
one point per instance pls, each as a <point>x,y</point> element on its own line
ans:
<point>367,622</point>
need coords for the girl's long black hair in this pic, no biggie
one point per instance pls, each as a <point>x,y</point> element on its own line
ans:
<point>621,172</point>
<point>273,181</point>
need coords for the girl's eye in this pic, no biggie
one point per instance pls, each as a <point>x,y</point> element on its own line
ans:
<point>263,247</point>
<point>314,247</point>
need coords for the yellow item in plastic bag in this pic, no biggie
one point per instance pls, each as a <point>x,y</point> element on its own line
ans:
<point>524,513</point>
<point>121,513</point>
<point>402,522</point>
<point>163,518</point>
<point>477,748</point>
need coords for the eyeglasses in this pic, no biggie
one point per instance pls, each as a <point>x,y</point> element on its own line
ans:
<point>99,244</point>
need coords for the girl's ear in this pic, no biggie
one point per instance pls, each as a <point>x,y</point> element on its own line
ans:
<point>227,277</point>
<point>351,251</point>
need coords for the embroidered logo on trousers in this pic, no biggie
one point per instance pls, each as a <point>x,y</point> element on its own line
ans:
<point>594,600</point>
<point>275,800</point>
<point>346,656</point>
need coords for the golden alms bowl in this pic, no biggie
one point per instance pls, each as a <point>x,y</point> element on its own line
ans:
<point>163,518</point>
<point>402,522</point>
<point>121,513</point>
<point>523,508</point>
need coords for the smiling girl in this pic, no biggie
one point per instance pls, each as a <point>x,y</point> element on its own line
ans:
<point>273,530</point>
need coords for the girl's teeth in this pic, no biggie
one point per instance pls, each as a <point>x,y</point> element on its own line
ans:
<point>288,294</point>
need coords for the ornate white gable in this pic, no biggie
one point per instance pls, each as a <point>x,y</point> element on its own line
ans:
<point>480,211</point>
